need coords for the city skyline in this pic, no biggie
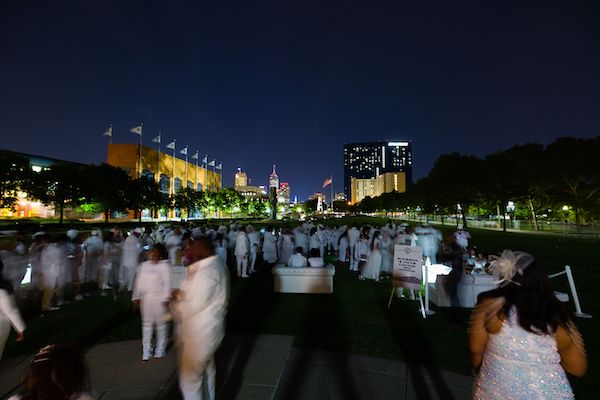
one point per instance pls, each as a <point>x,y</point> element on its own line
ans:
<point>290,84</point>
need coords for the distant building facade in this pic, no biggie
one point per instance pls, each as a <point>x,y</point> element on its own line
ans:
<point>171,173</point>
<point>240,179</point>
<point>26,208</point>
<point>274,179</point>
<point>372,159</point>
<point>283,194</point>
<point>373,187</point>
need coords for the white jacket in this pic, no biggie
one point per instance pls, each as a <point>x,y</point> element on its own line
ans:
<point>131,251</point>
<point>242,246</point>
<point>153,281</point>
<point>203,305</point>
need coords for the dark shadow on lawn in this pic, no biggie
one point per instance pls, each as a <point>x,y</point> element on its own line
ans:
<point>412,340</point>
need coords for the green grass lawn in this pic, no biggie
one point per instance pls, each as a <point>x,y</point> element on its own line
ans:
<point>354,319</point>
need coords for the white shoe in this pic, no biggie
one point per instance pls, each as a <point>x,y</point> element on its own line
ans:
<point>79,297</point>
<point>145,357</point>
<point>159,355</point>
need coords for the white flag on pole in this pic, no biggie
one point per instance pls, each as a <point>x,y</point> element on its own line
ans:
<point>171,145</point>
<point>137,130</point>
<point>220,166</point>
<point>108,132</point>
<point>195,156</point>
<point>212,163</point>
<point>184,151</point>
<point>157,139</point>
<point>205,159</point>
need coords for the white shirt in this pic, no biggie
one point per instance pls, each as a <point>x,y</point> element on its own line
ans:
<point>152,281</point>
<point>203,306</point>
<point>241,244</point>
<point>316,262</point>
<point>131,251</point>
<point>297,261</point>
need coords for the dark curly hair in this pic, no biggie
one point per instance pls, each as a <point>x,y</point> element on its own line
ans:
<point>538,309</point>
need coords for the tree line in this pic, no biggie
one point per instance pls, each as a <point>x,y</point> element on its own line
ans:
<point>560,181</point>
<point>108,189</point>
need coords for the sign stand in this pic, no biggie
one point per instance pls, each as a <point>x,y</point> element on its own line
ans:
<point>408,273</point>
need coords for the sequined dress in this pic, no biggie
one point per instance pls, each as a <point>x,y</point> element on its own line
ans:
<point>518,364</point>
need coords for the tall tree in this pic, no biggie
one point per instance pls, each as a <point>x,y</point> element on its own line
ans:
<point>14,173</point>
<point>574,170</point>
<point>60,186</point>
<point>454,183</point>
<point>106,185</point>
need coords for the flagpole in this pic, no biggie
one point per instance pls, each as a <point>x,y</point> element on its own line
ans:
<point>332,194</point>
<point>205,172</point>
<point>186,166</point>
<point>158,160</point>
<point>173,170</point>
<point>197,156</point>
<point>140,152</point>
<point>221,176</point>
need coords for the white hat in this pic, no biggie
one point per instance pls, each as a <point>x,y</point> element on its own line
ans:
<point>37,234</point>
<point>72,233</point>
<point>139,230</point>
<point>95,232</point>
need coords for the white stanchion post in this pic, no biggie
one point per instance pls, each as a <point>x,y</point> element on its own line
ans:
<point>578,312</point>
<point>426,280</point>
<point>423,313</point>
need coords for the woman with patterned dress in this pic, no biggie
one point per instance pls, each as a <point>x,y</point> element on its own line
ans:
<point>521,338</point>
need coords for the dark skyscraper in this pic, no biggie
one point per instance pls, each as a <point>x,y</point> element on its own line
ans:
<point>369,160</point>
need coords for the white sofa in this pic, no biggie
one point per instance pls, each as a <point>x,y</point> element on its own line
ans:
<point>303,280</point>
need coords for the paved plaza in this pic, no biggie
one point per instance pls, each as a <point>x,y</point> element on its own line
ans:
<point>260,367</point>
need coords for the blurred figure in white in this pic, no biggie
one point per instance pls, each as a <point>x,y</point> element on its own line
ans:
<point>74,252</point>
<point>387,252</point>
<point>132,249</point>
<point>373,266</point>
<point>343,247</point>
<point>253,242</point>
<point>242,252</point>
<point>9,314</point>
<point>51,263</point>
<point>429,240</point>
<point>353,236</point>
<point>221,247</point>
<point>200,307</point>
<point>300,239</point>
<point>92,247</point>
<point>173,241</point>
<point>269,246</point>
<point>315,260</point>
<point>151,293</point>
<point>286,246</point>
<point>462,238</point>
<point>15,265</point>
<point>297,260</point>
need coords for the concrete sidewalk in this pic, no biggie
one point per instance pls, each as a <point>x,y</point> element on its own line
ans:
<point>260,367</point>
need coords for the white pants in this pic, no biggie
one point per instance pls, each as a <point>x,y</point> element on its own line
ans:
<point>353,263</point>
<point>153,314</point>
<point>242,265</point>
<point>197,373</point>
<point>252,260</point>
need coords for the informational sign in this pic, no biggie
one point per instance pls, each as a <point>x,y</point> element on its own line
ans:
<point>408,267</point>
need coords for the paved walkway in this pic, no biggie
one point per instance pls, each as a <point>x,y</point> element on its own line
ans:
<point>260,367</point>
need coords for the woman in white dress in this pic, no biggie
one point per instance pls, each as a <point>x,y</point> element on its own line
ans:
<point>521,338</point>
<point>373,267</point>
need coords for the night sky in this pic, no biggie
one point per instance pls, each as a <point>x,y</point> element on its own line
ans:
<point>257,83</point>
